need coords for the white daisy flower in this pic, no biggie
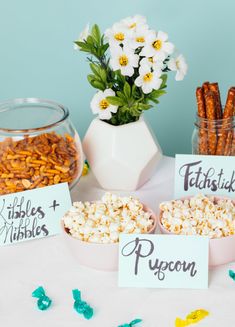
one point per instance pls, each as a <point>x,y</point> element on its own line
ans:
<point>154,62</point>
<point>118,34</point>
<point>139,37</point>
<point>134,22</point>
<point>124,59</point>
<point>157,44</point>
<point>148,80</point>
<point>83,36</point>
<point>101,106</point>
<point>180,66</point>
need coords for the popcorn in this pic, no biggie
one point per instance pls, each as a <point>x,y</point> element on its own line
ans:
<point>201,215</point>
<point>103,221</point>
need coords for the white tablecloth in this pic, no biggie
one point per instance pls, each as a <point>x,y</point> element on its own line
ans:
<point>48,262</point>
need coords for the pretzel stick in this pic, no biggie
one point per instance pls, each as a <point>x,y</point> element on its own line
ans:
<point>214,87</point>
<point>210,113</point>
<point>228,144</point>
<point>228,112</point>
<point>203,143</point>
<point>233,145</point>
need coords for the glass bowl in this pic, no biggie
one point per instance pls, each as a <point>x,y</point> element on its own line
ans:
<point>39,146</point>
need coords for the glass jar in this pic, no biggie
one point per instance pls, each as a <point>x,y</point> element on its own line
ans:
<point>214,137</point>
<point>38,146</point>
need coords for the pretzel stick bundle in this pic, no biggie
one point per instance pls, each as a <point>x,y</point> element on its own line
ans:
<point>216,128</point>
<point>203,144</point>
<point>228,113</point>
<point>211,116</point>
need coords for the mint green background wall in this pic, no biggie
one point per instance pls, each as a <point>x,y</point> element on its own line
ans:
<point>37,57</point>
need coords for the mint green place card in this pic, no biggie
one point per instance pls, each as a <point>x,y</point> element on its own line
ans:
<point>33,214</point>
<point>204,174</point>
<point>163,261</point>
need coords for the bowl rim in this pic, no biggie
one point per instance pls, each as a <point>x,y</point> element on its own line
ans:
<point>217,197</point>
<point>151,231</point>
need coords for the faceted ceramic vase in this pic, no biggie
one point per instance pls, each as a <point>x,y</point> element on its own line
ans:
<point>121,157</point>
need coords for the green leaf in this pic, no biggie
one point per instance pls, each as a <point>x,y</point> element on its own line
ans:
<point>154,100</point>
<point>95,69</point>
<point>164,80</point>
<point>103,75</point>
<point>143,106</point>
<point>90,77</point>
<point>115,101</point>
<point>83,46</point>
<point>121,95</point>
<point>95,32</point>
<point>156,94</point>
<point>90,40</point>
<point>98,85</point>
<point>127,90</point>
<point>104,48</point>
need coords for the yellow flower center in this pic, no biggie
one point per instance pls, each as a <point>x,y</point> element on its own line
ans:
<point>132,25</point>
<point>103,104</point>
<point>119,36</point>
<point>148,77</point>
<point>140,39</point>
<point>177,63</point>
<point>150,59</point>
<point>157,44</point>
<point>123,60</point>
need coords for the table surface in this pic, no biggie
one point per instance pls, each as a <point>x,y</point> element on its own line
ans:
<point>48,262</point>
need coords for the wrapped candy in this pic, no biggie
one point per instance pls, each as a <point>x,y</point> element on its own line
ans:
<point>191,318</point>
<point>85,168</point>
<point>81,306</point>
<point>132,323</point>
<point>232,274</point>
<point>44,302</point>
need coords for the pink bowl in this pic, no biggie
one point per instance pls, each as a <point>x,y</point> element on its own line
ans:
<point>96,255</point>
<point>221,250</point>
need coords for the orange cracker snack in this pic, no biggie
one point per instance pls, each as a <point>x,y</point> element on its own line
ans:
<point>203,144</point>
<point>38,161</point>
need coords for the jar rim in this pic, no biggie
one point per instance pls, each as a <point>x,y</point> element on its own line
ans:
<point>6,105</point>
<point>218,121</point>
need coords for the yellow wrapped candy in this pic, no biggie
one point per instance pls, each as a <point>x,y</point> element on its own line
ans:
<point>181,323</point>
<point>191,318</point>
<point>197,315</point>
<point>85,168</point>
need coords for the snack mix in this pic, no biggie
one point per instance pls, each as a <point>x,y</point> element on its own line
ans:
<point>199,215</point>
<point>103,221</point>
<point>37,161</point>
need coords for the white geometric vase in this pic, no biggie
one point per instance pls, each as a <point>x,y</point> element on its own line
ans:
<point>121,157</point>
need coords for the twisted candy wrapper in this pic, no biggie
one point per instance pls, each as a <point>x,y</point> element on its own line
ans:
<point>191,318</point>
<point>81,306</point>
<point>85,168</point>
<point>132,323</point>
<point>44,302</point>
<point>232,274</point>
